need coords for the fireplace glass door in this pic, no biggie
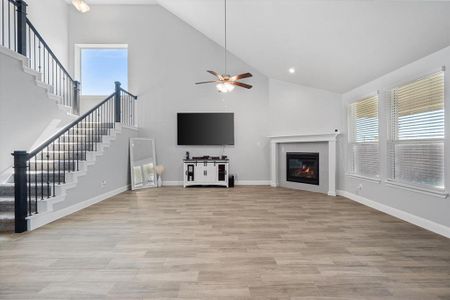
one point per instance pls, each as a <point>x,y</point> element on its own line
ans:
<point>302,167</point>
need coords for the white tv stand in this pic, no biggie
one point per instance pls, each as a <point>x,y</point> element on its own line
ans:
<point>205,172</point>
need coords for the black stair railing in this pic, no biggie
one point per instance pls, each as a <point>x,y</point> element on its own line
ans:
<point>19,34</point>
<point>8,21</point>
<point>37,174</point>
<point>126,101</point>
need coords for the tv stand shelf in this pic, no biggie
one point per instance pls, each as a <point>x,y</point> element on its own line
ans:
<point>205,172</point>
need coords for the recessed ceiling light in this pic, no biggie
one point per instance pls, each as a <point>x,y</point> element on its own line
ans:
<point>81,5</point>
<point>291,70</point>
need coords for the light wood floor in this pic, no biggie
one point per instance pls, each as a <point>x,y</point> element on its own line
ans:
<point>241,243</point>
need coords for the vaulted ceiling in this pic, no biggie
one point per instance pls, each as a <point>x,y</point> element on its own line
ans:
<point>334,45</point>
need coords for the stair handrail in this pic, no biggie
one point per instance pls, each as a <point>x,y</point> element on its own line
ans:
<point>23,38</point>
<point>117,108</point>
<point>128,93</point>
<point>60,132</point>
<point>48,48</point>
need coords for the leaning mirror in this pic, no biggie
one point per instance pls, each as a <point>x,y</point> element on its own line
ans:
<point>142,163</point>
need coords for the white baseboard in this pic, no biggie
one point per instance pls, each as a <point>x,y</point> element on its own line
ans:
<point>172,183</point>
<point>405,216</point>
<point>238,182</point>
<point>39,220</point>
<point>252,182</point>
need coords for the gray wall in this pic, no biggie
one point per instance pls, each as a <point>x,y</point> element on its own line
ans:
<point>321,148</point>
<point>113,168</point>
<point>51,19</point>
<point>296,109</point>
<point>425,206</point>
<point>166,58</point>
<point>25,110</point>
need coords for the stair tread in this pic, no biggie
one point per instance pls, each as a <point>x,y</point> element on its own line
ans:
<point>4,216</point>
<point>6,199</point>
<point>51,160</point>
<point>32,184</point>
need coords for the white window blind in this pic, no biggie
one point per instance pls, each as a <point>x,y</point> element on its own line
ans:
<point>363,137</point>
<point>416,145</point>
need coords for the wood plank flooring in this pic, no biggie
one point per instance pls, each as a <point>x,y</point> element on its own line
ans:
<point>241,243</point>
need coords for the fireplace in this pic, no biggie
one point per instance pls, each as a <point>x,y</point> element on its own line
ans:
<point>302,167</point>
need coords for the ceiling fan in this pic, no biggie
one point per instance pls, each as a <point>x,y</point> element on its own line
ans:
<point>225,82</point>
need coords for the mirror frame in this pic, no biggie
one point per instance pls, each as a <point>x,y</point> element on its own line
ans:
<point>155,183</point>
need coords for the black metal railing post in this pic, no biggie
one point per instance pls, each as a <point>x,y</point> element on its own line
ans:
<point>117,102</point>
<point>21,27</point>
<point>20,190</point>
<point>76,98</point>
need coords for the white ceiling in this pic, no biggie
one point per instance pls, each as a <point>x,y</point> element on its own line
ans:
<point>334,45</point>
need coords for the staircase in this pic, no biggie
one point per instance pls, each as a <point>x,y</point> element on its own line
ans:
<point>43,176</point>
<point>53,172</point>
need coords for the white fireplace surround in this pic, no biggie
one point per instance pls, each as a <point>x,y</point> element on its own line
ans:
<point>329,138</point>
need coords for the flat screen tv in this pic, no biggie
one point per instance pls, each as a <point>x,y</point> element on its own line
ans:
<point>205,129</point>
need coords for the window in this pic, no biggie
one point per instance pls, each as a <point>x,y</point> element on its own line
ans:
<point>101,67</point>
<point>363,137</point>
<point>416,145</point>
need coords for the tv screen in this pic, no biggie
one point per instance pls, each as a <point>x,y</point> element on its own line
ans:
<point>205,129</point>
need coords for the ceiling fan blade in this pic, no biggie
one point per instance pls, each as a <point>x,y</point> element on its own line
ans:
<point>215,74</point>
<point>202,82</point>
<point>244,85</point>
<point>241,76</point>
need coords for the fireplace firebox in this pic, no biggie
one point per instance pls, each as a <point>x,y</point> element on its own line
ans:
<point>302,167</point>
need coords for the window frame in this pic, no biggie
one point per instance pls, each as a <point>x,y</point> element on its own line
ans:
<point>391,139</point>
<point>352,142</point>
<point>77,61</point>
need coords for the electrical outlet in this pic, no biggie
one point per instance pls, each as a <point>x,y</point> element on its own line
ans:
<point>103,183</point>
<point>359,188</point>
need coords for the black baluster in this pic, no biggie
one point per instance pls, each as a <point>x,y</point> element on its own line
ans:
<point>29,185</point>
<point>39,50</point>
<point>83,139</point>
<point>43,65</point>
<point>78,149</point>
<point>3,22</point>
<point>9,24</point>
<point>53,160</point>
<point>101,122</point>
<point>42,176</point>
<point>48,172</point>
<point>15,34</point>
<point>95,129</point>
<point>59,161</point>
<point>48,67</point>
<point>29,43</point>
<point>35,178</point>
<point>34,50</point>
<point>66,158</point>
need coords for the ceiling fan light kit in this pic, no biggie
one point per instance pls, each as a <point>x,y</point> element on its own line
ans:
<point>81,5</point>
<point>225,87</point>
<point>224,82</point>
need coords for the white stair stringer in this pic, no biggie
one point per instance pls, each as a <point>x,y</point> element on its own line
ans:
<point>47,213</point>
<point>38,79</point>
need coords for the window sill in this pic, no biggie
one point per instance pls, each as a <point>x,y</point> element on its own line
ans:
<point>357,176</point>
<point>430,192</point>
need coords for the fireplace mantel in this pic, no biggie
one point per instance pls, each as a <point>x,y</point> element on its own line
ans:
<point>329,138</point>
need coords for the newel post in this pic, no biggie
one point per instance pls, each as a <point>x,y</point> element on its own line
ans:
<point>76,98</point>
<point>117,102</point>
<point>20,190</point>
<point>21,27</point>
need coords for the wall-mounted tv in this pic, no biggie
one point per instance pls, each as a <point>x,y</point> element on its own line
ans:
<point>205,129</point>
